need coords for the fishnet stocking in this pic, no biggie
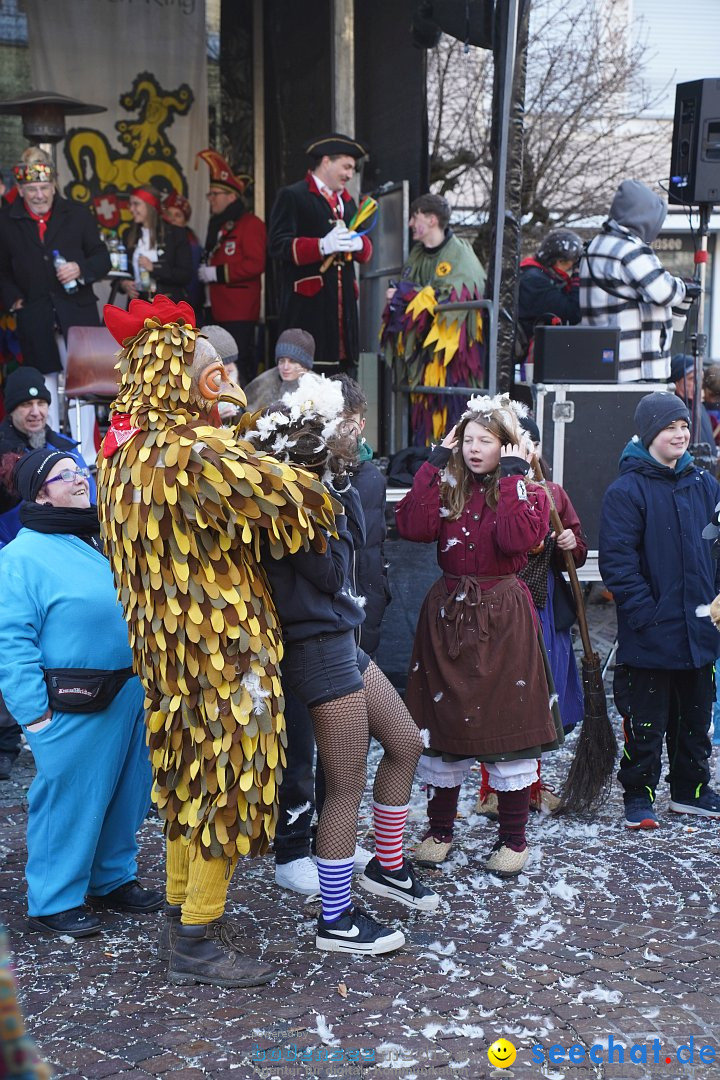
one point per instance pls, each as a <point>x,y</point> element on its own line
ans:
<point>342,731</point>
<point>394,728</point>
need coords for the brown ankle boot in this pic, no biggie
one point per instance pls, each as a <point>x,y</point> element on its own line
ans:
<point>210,954</point>
<point>168,931</point>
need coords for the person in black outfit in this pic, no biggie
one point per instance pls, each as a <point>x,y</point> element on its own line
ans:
<point>549,290</point>
<point>159,254</point>
<point>303,786</point>
<point>36,225</point>
<point>315,254</point>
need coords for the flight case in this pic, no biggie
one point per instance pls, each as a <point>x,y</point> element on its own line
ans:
<point>584,428</point>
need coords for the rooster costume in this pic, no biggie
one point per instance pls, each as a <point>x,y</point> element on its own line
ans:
<point>184,506</point>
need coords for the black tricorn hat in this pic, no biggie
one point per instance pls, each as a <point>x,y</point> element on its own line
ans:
<point>336,144</point>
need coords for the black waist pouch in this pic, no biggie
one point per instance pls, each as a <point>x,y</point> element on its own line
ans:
<point>84,690</point>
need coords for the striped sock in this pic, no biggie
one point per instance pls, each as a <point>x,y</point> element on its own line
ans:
<point>335,877</point>
<point>389,828</point>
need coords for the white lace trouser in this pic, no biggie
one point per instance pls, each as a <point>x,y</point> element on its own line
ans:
<point>504,775</point>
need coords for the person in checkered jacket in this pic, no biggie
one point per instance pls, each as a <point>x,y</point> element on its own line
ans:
<point>623,283</point>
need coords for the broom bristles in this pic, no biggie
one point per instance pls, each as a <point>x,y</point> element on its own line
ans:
<point>589,780</point>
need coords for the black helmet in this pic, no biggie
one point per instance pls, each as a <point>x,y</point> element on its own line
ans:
<point>560,244</point>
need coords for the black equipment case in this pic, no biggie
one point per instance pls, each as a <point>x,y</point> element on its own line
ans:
<point>584,429</point>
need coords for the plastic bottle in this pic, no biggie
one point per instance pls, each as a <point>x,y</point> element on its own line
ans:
<point>122,256</point>
<point>58,261</point>
<point>112,245</point>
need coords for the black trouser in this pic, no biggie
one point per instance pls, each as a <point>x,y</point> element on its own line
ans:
<point>292,837</point>
<point>674,705</point>
<point>10,732</point>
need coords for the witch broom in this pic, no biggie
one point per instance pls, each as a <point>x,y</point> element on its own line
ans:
<point>590,777</point>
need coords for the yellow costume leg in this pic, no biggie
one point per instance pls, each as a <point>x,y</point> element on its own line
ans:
<point>177,859</point>
<point>207,886</point>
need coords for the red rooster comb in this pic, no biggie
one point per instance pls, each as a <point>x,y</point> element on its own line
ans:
<point>126,324</point>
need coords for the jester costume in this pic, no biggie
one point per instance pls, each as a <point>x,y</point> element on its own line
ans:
<point>184,506</point>
<point>436,347</point>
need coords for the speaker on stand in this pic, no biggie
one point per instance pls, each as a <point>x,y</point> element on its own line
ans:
<point>695,181</point>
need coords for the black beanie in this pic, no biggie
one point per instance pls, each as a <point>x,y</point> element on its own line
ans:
<point>25,384</point>
<point>32,469</point>
<point>528,424</point>
<point>657,411</point>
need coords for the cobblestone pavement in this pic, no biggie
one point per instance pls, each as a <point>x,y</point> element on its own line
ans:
<point>608,938</point>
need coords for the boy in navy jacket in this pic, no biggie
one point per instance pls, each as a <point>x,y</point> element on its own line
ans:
<point>659,569</point>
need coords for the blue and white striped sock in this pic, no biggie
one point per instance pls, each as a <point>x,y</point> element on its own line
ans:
<point>335,878</point>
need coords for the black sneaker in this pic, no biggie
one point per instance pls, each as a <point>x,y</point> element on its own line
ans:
<point>78,922</point>
<point>356,932</point>
<point>132,896</point>
<point>401,885</point>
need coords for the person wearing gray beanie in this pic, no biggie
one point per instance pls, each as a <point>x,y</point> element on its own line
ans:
<point>226,347</point>
<point>294,355</point>
<point>658,411</point>
<point>223,342</point>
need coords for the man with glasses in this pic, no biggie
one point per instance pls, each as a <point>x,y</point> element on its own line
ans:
<point>316,253</point>
<point>234,261</point>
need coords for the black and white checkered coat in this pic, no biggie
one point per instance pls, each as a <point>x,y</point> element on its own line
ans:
<point>622,283</point>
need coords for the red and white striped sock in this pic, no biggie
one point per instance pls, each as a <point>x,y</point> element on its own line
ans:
<point>389,824</point>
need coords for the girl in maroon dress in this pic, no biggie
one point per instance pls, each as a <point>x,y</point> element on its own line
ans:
<point>478,683</point>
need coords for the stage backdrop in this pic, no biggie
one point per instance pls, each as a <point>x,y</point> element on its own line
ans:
<point>147,64</point>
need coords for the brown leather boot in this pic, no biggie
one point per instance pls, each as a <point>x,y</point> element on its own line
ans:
<point>168,931</point>
<point>211,954</point>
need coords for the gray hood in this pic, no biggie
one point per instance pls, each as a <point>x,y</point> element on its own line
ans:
<point>638,209</point>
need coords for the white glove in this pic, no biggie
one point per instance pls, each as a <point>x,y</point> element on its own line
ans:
<point>338,239</point>
<point>207,274</point>
<point>356,242</point>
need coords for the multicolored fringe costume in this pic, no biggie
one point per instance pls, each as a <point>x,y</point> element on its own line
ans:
<point>436,347</point>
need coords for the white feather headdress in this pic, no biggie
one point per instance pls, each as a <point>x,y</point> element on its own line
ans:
<point>485,405</point>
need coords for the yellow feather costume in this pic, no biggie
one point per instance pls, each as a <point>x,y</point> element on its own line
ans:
<point>184,506</point>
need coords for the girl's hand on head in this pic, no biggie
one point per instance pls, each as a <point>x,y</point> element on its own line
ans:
<point>524,449</point>
<point>450,441</point>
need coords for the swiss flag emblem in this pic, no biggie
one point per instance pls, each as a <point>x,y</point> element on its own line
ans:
<point>107,211</point>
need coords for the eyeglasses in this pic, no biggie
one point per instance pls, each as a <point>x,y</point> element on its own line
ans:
<point>70,476</point>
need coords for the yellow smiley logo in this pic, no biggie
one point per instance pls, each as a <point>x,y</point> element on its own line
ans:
<point>501,1054</point>
<point>443,269</point>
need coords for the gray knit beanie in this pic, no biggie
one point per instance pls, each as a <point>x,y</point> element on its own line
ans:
<point>223,343</point>
<point>657,411</point>
<point>296,345</point>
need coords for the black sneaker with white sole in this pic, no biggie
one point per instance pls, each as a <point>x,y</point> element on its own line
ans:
<point>401,885</point>
<point>356,932</point>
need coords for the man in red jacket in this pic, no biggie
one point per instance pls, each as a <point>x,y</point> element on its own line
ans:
<point>234,260</point>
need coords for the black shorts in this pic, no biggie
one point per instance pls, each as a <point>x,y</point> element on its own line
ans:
<point>324,668</point>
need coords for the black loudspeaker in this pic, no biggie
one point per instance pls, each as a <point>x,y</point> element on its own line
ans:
<point>695,160</point>
<point>576,354</point>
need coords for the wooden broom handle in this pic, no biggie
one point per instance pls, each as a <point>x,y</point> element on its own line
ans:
<point>569,563</point>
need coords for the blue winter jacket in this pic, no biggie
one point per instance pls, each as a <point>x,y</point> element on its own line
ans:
<point>655,562</point>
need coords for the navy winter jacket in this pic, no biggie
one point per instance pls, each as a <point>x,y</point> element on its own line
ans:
<point>655,562</point>
<point>313,593</point>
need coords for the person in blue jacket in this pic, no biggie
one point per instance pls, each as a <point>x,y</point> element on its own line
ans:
<point>25,427</point>
<point>660,570</point>
<point>66,677</point>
